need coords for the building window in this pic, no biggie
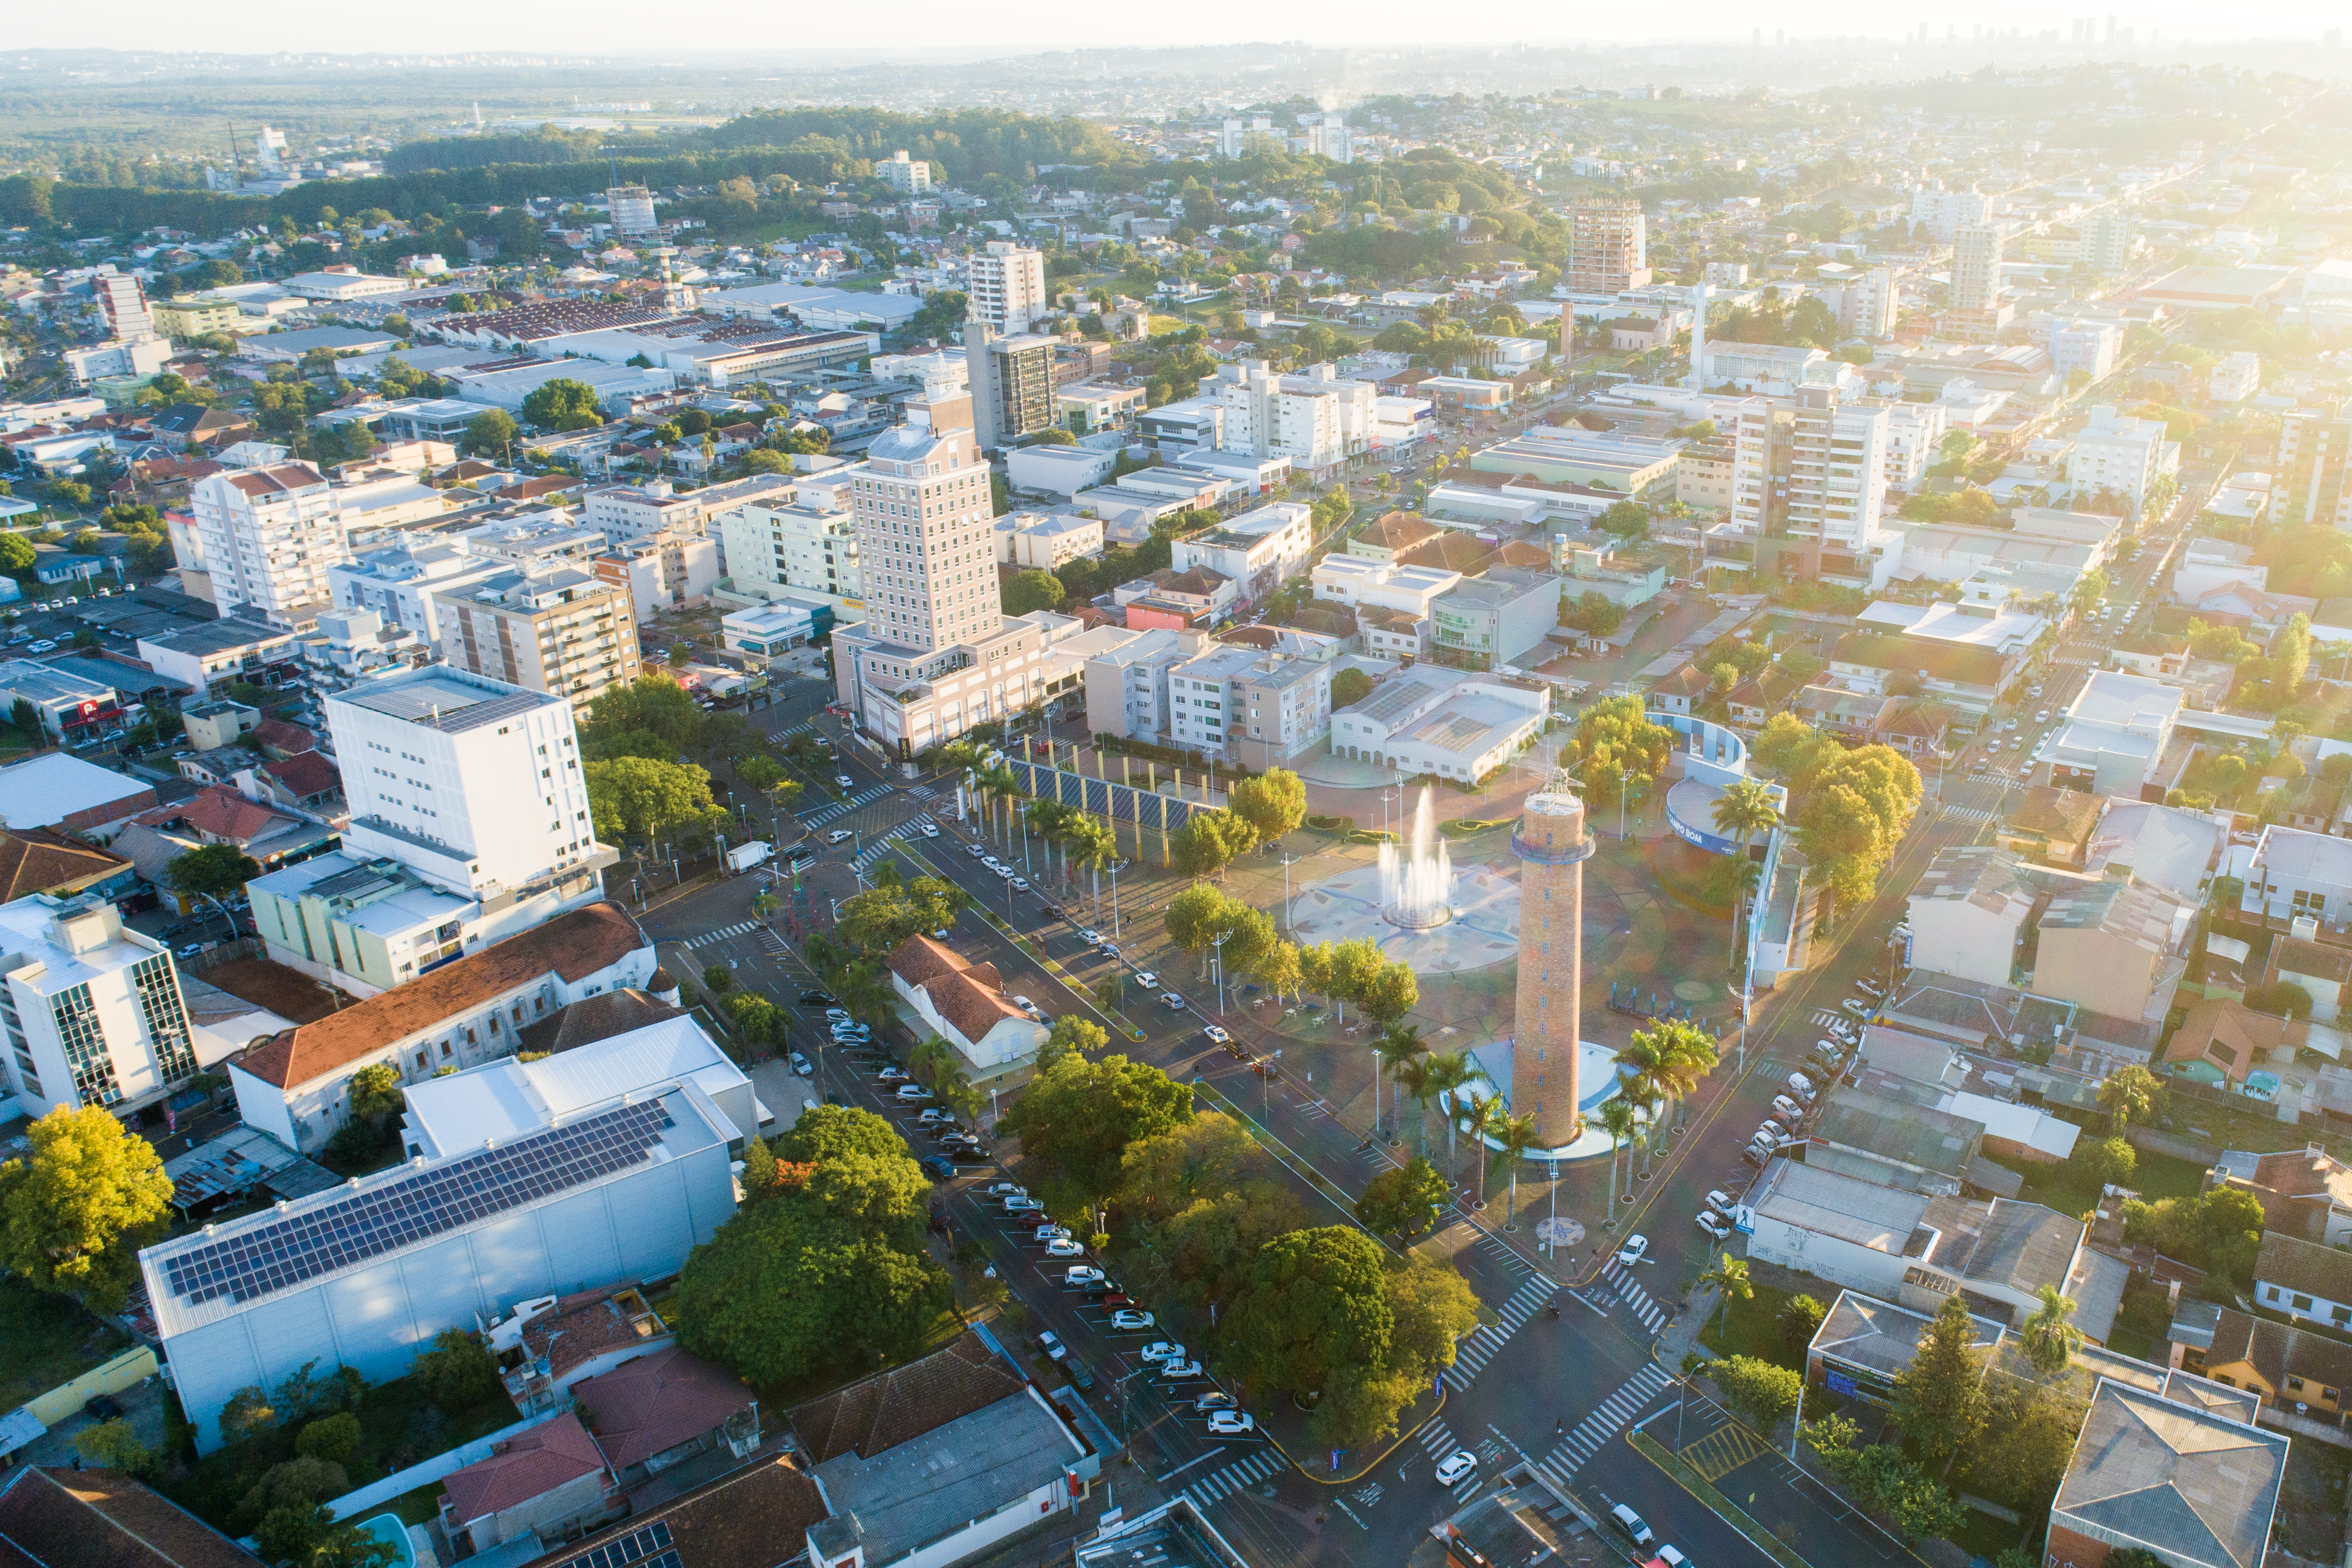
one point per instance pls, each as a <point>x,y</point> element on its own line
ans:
<point>158,989</point>
<point>85,1047</point>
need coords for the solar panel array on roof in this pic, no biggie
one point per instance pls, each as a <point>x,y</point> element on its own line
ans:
<point>285,1252</point>
<point>1393,698</point>
<point>628,1551</point>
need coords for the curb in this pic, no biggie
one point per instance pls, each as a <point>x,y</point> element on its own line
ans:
<point>1714,1502</point>
<point>1370,1464</point>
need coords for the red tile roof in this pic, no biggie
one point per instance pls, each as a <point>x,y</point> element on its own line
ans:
<point>876,1414</point>
<point>652,1404</point>
<point>36,860</point>
<point>530,1464</point>
<point>218,812</point>
<point>306,774</point>
<point>102,1519</point>
<point>751,1517</point>
<point>573,945</point>
<point>276,480</point>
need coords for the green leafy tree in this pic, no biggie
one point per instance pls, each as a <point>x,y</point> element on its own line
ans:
<point>376,1092</point>
<point>1388,993</point>
<point>76,1208</point>
<point>1799,1321</point>
<point>1940,1399</point>
<point>456,1373</point>
<point>1617,747</point>
<point>2103,1161</point>
<point>1404,1200</point>
<point>1210,840</point>
<point>116,1445</point>
<point>212,871</point>
<point>1079,1119</point>
<point>2132,1094</point>
<point>334,1438</point>
<point>2029,1437</point>
<point>1350,687</point>
<point>562,404</point>
<point>1626,518</point>
<point>17,556</point>
<point>1315,1309</point>
<point>1072,1035</point>
<point>1758,1389</point>
<point>1207,1198</point>
<point>1033,590</point>
<point>2050,1336</point>
<point>651,799</point>
<point>491,432</point>
<point>1591,613</point>
<point>1273,802</point>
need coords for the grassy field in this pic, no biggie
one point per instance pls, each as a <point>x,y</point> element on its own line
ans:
<point>45,1341</point>
<point>2061,1187</point>
<point>1753,1329</point>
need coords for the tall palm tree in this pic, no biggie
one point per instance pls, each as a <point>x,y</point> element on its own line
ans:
<point>1412,1077</point>
<point>1516,1135</point>
<point>1641,1063</point>
<point>1397,1045</point>
<point>1619,1121</point>
<point>1485,1115</point>
<point>1048,819</point>
<point>931,1059</point>
<point>1444,1074</point>
<point>954,1089</point>
<point>1691,1055</point>
<point>2051,1341</point>
<point>1729,1276</point>
<point>1744,809</point>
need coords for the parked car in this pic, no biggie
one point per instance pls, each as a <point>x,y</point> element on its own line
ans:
<point>1786,1110</point>
<point>936,1119</point>
<point>1149,981</point>
<point>1772,1130</point>
<point>1718,1200</point>
<point>1714,1224</point>
<point>836,1015</point>
<point>1127,1320</point>
<point>1207,1402</point>
<point>893,1074</point>
<point>975,851</point>
<point>1636,1531</point>
<point>1176,1370</point>
<point>1082,1275</point>
<point>938,1167</point>
<point>1860,1009</point>
<point>1051,1343</point>
<point>1021,1204</point>
<point>1062,1247</point>
<point>1006,1190</point>
<point>1230,1424</point>
<point>1802,1087</point>
<point>1080,1378</point>
<point>1457,1468</point>
<point>802,1066</point>
<point>820,999</point>
<point>1161,1350</point>
<point>913,1093</point>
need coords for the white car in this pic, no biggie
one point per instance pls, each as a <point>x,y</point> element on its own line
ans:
<point>1457,1468</point>
<point>839,835</point>
<point>1006,1190</point>
<point>1082,1275</point>
<point>844,781</point>
<point>1786,1108</point>
<point>1171,999</point>
<point>1161,1350</point>
<point>838,1016</point>
<point>993,863</point>
<point>1205,1403</point>
<point>1719,1201</point>
<point>1712,1223</point>
<point>1050,1233</point>
<point>1175,1370</point>
<point>1129,1321</point>
<point>801,1066</point>
<point>44,646</point>
<point>1008,873</point>
<point>975,851</point>
<point>1089,937</point>
<point>1021,1203</point>
<point>913,1093</point>
<point>1149,981</point>
<point>1636,1247</point>
<point>1218,1035</point>
<point>1860,1009</point>
<point>1021,884</point>
<point>929,830</point>
<point>1062,1247</point>
<point>1230,1423</point>
<point>936,1119</point>
<point>1772,1130</point>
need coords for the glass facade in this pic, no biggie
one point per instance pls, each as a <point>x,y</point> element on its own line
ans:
<point>158,986</point>
<point>85,1047</point>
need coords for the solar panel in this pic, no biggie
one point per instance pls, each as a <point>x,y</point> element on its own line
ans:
<point>285,1252</point>
<point>626,1551</point>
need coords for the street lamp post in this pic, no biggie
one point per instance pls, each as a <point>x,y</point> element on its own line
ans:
<point>1622,775</point>
<point>1217,961</point>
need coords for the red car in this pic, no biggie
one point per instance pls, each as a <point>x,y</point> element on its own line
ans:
<point>1117,1299</point>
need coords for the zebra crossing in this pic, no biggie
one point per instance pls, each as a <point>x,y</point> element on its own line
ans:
<point>825,813</point>
<point>1969,813</point>
<point>1246,1471</point>
<point>1437,1439</point>
<point>1477,1347</point>
<point>1499,1251</point>
<point>1568,1456</point>
<point>1653,1316</point>
<point>722,934</point>
<point>905,833</point>
<point>1825,1016</point>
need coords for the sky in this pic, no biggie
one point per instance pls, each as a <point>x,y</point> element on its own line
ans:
<point>760,26</point>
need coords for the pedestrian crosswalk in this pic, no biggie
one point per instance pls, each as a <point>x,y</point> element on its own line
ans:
<point>1653,1316</point>
<point>1500,1251</point>
<point>721,935</point>
<point>1825,1016</point>
<point>1568,1456</point>
<point>1437,1438</point>
<point>1246,1471</point>
<point>1969,813</point>
<point>822,815</point>
<point>1479,1346</point>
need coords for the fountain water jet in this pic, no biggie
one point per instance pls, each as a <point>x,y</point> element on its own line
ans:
<point>1417,892</point>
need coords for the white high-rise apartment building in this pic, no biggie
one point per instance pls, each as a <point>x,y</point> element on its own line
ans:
<point>797,546</point>
<point>1008,286</point>
<point>1234,139</point>
<point>93,1012</point>
<point>1868,307</point>
<point>2121,456</point>
<point>632,210</point>
<point>1328,135</point>
<point>2235,377</point>
<point>1314,420</point>
<point>1914,433</point>
<point>473,784</point>
<point>2107,241</point>
<point>2088,346</point>
<point>125,305</point>
<point>1976,267</point>
<point>926,538</point>
<point>910,175</point>
<point>1809,482</point>
<point>1945,213</point>
<point>270,537</point>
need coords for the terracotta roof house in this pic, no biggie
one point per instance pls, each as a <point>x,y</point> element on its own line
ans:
<point>967,1005</point>
<point>550,1482</point>
<point>2193,1486</point>
<point>753,1518</point>
<point>2303,1192</point>
<point>43,860</point>
<point>102,1518</point>
<point>280,739</point>
<point>2052,825</point>
<point>296,1086</point>
<point>942,1456</point>
<point>2220,1040</point>
<point>1680,691</point>
<point>1771,689</point>
<point>2288,1368</point>
<point>188,425</point>
<point>547,1344</point>
<point>1385,536</point>
<point>656,1409</point>
<point>307,781</point>
<point>1453,550</point>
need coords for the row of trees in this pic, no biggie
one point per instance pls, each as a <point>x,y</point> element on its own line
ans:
<point>1851,806</point>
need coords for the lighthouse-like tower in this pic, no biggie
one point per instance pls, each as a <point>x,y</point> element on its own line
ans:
<point>1552,847</point>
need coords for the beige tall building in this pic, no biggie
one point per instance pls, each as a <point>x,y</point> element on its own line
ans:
<point>1974,302</point>
<point>1008,286</point>
<point>926,536</point>
<point>561,630</point>
<point>1608,246</point>
<point>1552,847</point>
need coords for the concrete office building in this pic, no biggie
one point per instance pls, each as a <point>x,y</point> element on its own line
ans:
<point>124,304</point>
<point>559,630</point>
<point>270,537</point>
<point>2088,346</point>
<point>795,546</point>
<point>923,517</point>
<point>1608,246</point>
<point>1973,304</point>
<point>402,584</point>
<point>2121,456</point>
<point>1012,381</point>
<point>93,1010</point>
<point>1007,286</point>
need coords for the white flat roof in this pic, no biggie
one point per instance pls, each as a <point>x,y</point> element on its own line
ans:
<point>507,1097</point>
<point>43,791</point>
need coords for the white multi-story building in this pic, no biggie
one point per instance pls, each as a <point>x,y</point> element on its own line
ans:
<point>910,176</point>
<point>1808,484</point>
<point>1945,213</point>
<point>1234,137</point>
<point>1329,136</point>
<point>797,546</point>
<point>2088,346</point>
<point>2107,241</point>
<point>1259,550</point>
<point>1976,267</point>
<point>1867,308</point>
<point>632,211</point>
<point>640,512</point>
<point>270,537</point>
<point>2121,456</point>
<point>1915,432</point>
<point>475,784</point>
<point>1007,286</point>
<point>124,303</point>
<point>1314,420</point>
<point>926,544</point>
<point>399,581</point>
<point>93,1010</point>
<point>2235,377</point>
<point>1201,706</point>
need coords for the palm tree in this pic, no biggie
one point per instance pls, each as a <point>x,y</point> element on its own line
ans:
<point>954,1089</point>
<point>1397,1046</point>
<point>1412,1077</point>
<point>2051,1341</point>
<point>1048,819</point>
<point>1483,1116</point>
<point>1745,808</point>
<point>1617,1120</point>
<point>1642,1065</point>
<point>1516,1135</point>
<point>931,1059</point>
<point>1729,1275</point>
<point>1441,1074</point>
<point>1690,1055</point>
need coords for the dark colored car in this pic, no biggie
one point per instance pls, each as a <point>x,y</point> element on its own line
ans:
<point>1080,1378</point>
<point>817,999</point>
<point>103,1407</point>
<point>937,1168</point>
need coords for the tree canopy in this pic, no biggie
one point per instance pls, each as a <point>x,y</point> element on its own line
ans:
<point>76,1208</point>
<point>1616,736</point>
<point>562,404</point>
<point>1078,1118</point>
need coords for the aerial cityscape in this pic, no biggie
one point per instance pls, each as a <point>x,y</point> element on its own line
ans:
<point>1467,796</point>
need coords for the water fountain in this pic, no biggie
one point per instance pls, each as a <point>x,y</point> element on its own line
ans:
<point>1417,893</point>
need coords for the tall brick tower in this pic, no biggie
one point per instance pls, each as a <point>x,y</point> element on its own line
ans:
<point>1552,847</point>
